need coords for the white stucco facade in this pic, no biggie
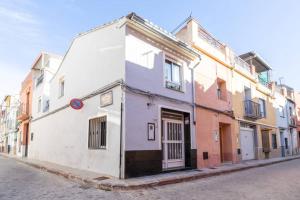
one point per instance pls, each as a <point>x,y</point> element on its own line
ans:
<point>112,58</point>
<point>285,112</point>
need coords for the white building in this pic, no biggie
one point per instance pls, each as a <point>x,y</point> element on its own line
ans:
<point>44,68</point>
<point>286,120</point>
<point>9,124</point>
<point>135,82</point>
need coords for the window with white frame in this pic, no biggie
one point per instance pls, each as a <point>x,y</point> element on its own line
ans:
<point>173,76</point>
<point>97,133</point>
<point>262,107</point>
<point>46,105</point>
<point>61,87</point>
<point>39,104</point>
<point>40,78</point>
<point>281,111</point>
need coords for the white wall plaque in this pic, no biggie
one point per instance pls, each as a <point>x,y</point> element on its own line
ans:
<point>106,99</point>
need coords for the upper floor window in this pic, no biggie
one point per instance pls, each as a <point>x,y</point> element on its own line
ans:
<point>40,78</point>
<point>61,88</point>
<point>262,107</point>
<point>173,77</point>
<point>291,111</point>
<point>247,92</point>
<point>221,90</point>
<point>39,104</point>
<point>46,105</point>
<point>281,111</point>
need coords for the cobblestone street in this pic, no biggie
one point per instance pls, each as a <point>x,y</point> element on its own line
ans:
<point>279,181</point>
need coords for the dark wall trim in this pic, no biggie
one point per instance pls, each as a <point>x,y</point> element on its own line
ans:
<point>142,163</point>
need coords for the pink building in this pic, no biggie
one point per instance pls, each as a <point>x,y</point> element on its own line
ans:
<point>297,100</point>
<point>215,137</point>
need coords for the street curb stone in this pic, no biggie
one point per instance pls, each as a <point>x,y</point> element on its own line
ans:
<point>146,184</point>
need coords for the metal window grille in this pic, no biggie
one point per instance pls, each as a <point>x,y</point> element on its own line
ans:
<point>97,133</point>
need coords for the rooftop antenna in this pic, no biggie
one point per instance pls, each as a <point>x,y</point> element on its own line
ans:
<point>187,19</point>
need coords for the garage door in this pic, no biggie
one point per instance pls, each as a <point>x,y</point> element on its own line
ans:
<point>247,143</point>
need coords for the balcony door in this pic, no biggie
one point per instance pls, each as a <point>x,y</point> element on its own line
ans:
<point>247,93</point>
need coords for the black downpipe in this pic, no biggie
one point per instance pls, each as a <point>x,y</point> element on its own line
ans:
<point>121,141</point>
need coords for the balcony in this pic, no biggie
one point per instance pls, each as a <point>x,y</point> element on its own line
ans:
<point>23,112</point>
<point>252,110</point>
<point>242,65</point>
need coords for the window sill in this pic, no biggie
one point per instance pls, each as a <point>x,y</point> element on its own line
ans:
<point>97,148</point>
<point>174,89</point>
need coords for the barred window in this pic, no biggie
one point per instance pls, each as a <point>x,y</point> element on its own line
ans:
<point>97,133</point>
<point>274,141</point>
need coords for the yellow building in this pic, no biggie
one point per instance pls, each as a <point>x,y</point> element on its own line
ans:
<point>253,105</point>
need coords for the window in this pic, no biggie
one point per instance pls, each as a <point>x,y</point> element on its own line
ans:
<point>97,133</point>
<point>247,92</point>
<point>46,106</point>
<point>291,111</point>
<point>286,143</point>
<point>274,141</point>
<point>262,108</point>
<point>173,75</point>
<point>61,88</point>
<point>39,104</point>
<point>31,137</point>
<point>221,89</point>
<point>40,79</point>
<point>281,111</point>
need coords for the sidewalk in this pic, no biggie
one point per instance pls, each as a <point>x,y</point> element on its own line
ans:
<point>100,181</point>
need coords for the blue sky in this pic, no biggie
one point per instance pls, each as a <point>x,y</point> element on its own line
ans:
<point>270,27</point>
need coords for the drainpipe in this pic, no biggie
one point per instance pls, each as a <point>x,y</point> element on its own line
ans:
<point>121,172</point>
<point>121,142</point>
<point>193,89</point>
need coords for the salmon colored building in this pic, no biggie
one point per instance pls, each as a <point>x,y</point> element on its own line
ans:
<point>215,136</point>
<point>24,116</point>
<point>297,101</point>
<point>235,113</point>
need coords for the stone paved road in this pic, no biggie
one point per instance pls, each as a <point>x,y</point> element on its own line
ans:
<point>278,182</point>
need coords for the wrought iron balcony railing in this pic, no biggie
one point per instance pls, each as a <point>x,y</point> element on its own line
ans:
<point>252,109</point>
<point>23,112</point>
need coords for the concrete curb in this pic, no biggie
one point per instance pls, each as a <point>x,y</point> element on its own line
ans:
<point>148,184</point>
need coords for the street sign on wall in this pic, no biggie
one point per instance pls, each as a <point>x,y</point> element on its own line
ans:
<point>76,104</point>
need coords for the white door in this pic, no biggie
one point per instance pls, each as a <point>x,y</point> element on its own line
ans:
<point>247,143</point>
<point>173,144</point>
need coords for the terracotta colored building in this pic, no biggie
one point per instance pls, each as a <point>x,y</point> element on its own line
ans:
<point>24,116</point>
<point>215,136</point>
<point>297,100</point>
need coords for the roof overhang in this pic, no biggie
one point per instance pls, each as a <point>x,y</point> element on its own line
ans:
<point>156,32</point>
<point>256,60</point>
